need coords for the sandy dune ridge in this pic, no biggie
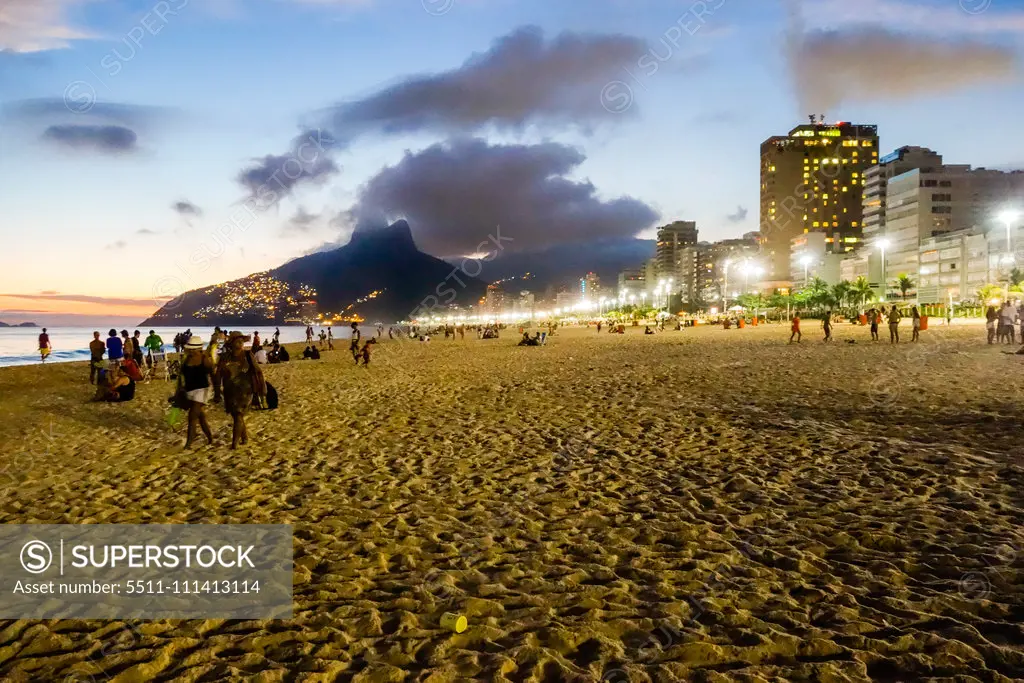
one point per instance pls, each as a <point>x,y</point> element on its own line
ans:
<point>695,505</point>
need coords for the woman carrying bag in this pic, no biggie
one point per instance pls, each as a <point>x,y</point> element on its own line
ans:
<point>193,392</point>
<point>243,384</point>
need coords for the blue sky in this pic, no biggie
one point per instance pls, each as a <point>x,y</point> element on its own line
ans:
<point>91,228</point>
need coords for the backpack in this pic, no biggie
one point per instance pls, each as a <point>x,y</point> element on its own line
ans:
<point>269,402</point>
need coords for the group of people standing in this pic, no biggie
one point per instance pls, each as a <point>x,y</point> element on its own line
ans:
<point>999,324</point>
<point>874,317</point>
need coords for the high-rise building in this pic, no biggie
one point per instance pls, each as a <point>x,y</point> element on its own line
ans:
<point>877,177</point>
<point>494,302</point>
<point>812,181</point>
<point>672,240</point>
<point>631,282</point>
<point>590,286</point>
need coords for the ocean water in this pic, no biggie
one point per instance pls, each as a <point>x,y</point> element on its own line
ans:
<point>20,345</point>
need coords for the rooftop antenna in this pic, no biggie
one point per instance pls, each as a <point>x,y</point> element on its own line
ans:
<point>811,116</point>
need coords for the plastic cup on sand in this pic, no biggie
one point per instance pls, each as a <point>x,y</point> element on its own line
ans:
<point>454,622</point>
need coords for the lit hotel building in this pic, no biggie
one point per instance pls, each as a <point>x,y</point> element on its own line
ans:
<point>812,180</point>
<point>673,239</point>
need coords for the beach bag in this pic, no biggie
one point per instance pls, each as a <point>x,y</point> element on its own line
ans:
<point>267,402</point>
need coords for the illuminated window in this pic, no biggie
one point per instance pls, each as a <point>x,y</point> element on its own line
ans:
<point>824,196</point>
<point>835,225</point>
<point>772,169</point>
<point>854,175</point>
<point>844,210</point>
<point>855,154</point>
<point>854,224</point>
<point>807,175</point>
<point>815,224</point>
<point>845,189</point>
<point>805,216</point>
<point>805,196</point>
<point>835,161</point>
<point>867,143</point>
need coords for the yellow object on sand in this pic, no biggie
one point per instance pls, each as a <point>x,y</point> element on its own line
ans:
<point>454,622</point>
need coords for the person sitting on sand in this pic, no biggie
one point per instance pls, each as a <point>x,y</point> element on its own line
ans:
<point>794,329</point>
<point>648,330</point>
<point>115,386</point>
<point>311,353</point>
<point>194,380</point>
<point>242,382</point>
<point>282,354</point>
<point>527,341</point>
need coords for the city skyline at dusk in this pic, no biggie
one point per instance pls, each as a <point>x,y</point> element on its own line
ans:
<point>133,133</point>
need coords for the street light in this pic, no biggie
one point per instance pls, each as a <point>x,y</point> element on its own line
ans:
<point>1009,217</point>
<point>725,284</point>
<point>806,260</point>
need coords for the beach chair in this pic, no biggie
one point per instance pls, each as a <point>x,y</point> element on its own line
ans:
<point>159,359</point>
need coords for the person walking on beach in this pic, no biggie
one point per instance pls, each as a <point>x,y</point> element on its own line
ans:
<point>330,339</point>
<point>794,329</point>
<point>277,335</point>
<point>894,325</point>
<point>309,335</point>
<point>353,346</point>
<point>991,320</point>
<point>826,325</point>
<point>256,346</point>
<point>916,318</point>
<point>240,381</point>
<point>873,318</point>
<point>194,388</point>
<point>96,350</point>
<point>44,346</point>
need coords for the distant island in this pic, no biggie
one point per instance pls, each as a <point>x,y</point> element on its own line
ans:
<point>3,324</point>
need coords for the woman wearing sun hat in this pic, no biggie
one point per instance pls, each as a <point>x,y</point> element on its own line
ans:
<point>194,382</point>
<point>242,379</point>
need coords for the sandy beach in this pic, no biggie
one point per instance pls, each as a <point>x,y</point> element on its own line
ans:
<point>705,504</point>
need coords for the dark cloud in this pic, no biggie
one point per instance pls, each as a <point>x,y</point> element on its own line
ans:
<point>456,194</point>
<point>52,111</point>
<point>186,208</point>
<point>302,221</point>
<point>521,80</point>
<point>739,216</point>
<point>875,64</point>
<point>86,299</point>
<point>277,176</point>
<point>106,139</point>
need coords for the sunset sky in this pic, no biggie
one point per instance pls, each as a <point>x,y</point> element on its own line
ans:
<point>131,132</point>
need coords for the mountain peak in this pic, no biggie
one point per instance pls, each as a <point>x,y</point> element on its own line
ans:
<point>398,234</point>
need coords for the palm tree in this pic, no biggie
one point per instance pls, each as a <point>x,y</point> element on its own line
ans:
<point>904,284</point>
<point>862,290</point>
<point>841,292</point>
<point>818,293</point>
<point>1016,277</point>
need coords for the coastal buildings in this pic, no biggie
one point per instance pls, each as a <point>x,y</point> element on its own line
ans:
<point>673,239</point>
<point>812,181</point>
<point>631,283</point>
<point>590,286</point>
<point>810,257</point>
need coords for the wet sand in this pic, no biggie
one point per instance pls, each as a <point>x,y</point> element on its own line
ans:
<point>694,505</point>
